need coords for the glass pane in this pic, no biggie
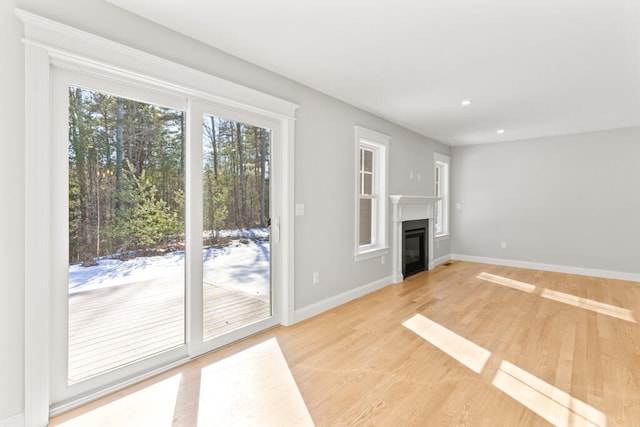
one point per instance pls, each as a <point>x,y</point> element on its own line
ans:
<point>126,231</point>
<point>366,212</point>
<point>438,217</point>
<point>236,238</point>
<point>367,184</point>
<point>412,249</point>
<point>368,161</point>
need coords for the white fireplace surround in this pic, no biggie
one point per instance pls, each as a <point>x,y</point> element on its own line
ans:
<point>409,208</point>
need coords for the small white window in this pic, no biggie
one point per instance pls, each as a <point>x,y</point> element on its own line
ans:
<point>371,190</point>
<point>441,181</point>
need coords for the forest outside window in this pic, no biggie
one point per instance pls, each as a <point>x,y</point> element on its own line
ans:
<point>371,190</point>
<point>126,222</point>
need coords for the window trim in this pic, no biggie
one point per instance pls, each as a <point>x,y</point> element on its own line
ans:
<point>379,143</point>
<point>442,162</point>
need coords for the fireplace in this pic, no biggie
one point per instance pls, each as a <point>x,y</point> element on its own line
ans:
<point>407,209</point>
<point>414,247</point>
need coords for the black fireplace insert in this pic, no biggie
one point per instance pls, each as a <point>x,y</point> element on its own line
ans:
<point>414,247</point>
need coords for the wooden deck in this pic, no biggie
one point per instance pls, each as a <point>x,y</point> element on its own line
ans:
<point>114,326</point>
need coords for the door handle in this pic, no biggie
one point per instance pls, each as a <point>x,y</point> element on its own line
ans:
<point>275,228</point>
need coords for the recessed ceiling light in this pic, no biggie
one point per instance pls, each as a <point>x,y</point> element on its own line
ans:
<point>500,130</point>
<point>466,102</point>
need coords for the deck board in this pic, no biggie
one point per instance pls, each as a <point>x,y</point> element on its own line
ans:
<point>114,326</point>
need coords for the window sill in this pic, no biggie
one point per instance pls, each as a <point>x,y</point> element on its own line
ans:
<point>443,236</point>
<point>371,253</point>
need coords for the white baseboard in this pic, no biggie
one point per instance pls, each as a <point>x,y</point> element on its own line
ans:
<point>15,421</point>
<point>605,274</point>
<point>440,260</point>
<point>334,301</point>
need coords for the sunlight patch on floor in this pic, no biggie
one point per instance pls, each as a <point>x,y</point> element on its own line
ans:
<point>598,307</point>
<point>252,387</point>
<point>595,306</point>
<point>546,400</point>
<point>504,281</point>
<point>551,403</point>
<point>151,406</point>
<point>464,351</point>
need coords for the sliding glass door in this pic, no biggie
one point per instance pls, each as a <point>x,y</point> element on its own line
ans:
<point>163,238</point>
<point>236,278</point>
<point>126,231</point>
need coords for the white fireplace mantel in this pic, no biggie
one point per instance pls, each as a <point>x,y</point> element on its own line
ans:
<point>409,208</point>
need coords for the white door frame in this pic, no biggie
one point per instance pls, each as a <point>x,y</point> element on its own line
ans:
<point>47,43</point>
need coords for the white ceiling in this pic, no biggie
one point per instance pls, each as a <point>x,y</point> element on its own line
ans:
<point>531,67</point>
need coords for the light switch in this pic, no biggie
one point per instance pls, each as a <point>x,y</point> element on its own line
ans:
<point>299,209</point>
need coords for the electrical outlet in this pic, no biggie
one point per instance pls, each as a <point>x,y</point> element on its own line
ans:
<point>503,245</point>
<point>316,278</point>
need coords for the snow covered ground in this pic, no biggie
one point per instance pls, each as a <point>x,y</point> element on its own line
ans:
<point>241,266</point>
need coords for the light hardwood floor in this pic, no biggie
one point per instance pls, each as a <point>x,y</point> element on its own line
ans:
<point>464,344</point>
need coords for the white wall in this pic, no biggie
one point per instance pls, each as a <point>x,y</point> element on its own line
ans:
<point>325,235</point>
<point>569,200</point>
<point>324,162</point>
<point>11,215</point>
